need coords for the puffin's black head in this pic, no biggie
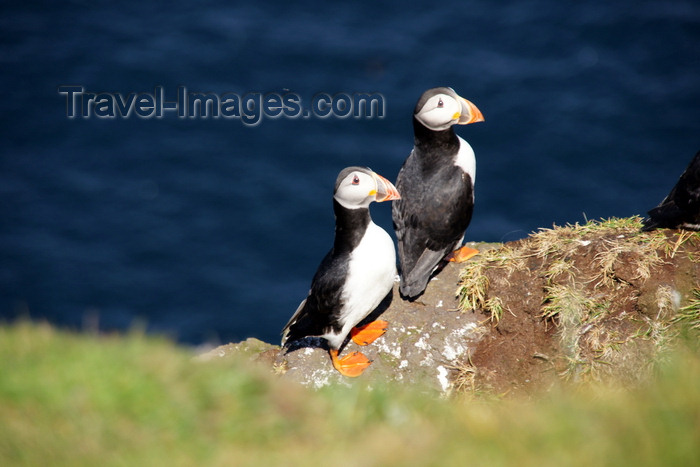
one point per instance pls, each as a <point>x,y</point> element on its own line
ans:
<point>440,108</point>
<point>357,187</point>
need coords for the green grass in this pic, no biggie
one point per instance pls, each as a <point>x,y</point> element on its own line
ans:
<point>690,314</point>
<point>72,400</point>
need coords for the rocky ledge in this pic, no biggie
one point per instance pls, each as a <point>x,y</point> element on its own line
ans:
<point>578,302</point>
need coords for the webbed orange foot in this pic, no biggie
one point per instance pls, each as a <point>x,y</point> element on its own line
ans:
<point>462,254</point>
<point>363,335</point>
<point>351,365</point>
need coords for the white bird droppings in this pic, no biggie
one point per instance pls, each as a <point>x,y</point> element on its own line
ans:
<point>422,343</point>
<point>442,378</point>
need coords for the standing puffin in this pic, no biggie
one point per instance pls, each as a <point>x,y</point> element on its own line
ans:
<point>355,275</point>
<point>437,189</point>
<point>681,208</point>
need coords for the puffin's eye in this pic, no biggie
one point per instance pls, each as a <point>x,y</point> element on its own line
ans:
<point>356,180</point>
<point>440,104</point>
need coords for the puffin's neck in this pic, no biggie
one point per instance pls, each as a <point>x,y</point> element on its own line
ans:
<point>434,144</point>
<point>350,226</point>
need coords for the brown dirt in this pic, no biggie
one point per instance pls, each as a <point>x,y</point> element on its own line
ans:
<point>625,324</point>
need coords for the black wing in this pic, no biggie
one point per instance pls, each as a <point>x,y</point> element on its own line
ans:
<point>429,219</point>
<point>318,313</point>
<point>681,208</point>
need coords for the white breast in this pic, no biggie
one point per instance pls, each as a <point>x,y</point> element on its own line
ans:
<point>371,272</point>
<point>465,159</point>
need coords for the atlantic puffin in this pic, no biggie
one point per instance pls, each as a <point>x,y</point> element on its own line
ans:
<point>436,183</point>
<point>355,275</point>
<point>681,208</point>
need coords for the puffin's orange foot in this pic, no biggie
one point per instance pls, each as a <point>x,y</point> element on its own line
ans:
<point>363,335</point>
<point>351,365</point>
<point>462,254</point>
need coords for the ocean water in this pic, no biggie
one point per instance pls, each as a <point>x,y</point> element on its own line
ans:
<point>209,230</point>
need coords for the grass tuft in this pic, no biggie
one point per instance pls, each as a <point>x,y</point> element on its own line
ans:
<point>495,307</point>
<point>689,315</point>
<point>465,381</point>
<point>474,284</point>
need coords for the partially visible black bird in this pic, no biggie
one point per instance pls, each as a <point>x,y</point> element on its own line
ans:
<point>681,208</point>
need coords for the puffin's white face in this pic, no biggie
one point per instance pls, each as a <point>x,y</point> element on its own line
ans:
<point>359,187</point>
<point>445,109</point>
<point>440,112</point>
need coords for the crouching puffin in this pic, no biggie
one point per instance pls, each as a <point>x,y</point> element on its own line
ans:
<point>436,183</point>
<point>355,275</point>
<point>681,208</point>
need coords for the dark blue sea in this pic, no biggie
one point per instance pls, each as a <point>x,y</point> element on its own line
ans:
<point>209,230</point>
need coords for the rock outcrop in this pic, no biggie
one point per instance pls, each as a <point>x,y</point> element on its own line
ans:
<point>427,341</point>
<point>575,301</point>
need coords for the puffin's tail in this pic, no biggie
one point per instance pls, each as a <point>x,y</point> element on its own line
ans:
<point>413,290</point>
<point>290,332</point>
<point>414,282</point>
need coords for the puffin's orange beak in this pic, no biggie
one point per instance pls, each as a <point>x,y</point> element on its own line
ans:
<point>470,113</point>
<point>386,190</point>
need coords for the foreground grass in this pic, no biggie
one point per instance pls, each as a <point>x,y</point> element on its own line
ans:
<point>68,399</point>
